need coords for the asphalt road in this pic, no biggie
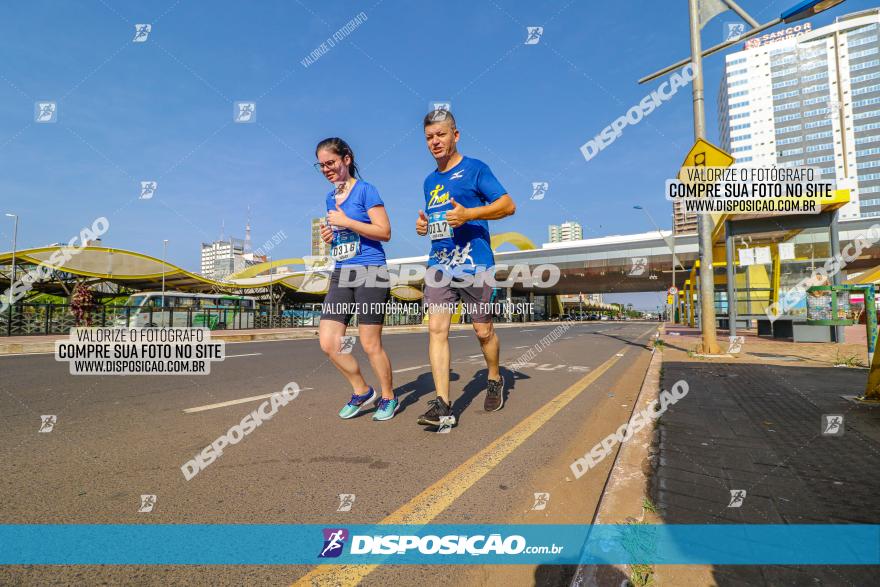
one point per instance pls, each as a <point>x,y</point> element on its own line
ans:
<point>117,438</point>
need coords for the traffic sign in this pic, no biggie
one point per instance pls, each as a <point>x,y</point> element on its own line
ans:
<point>704,154</point>
<point>672,291</point>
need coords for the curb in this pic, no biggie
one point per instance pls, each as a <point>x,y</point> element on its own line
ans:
<point>628,476</point>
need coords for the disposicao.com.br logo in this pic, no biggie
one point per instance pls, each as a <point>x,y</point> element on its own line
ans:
<point>451,544</point>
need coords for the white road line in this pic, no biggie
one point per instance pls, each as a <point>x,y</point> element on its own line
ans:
<point>245,355</point>
<point>528,330</point>
<point>410,368</point>
<point>232,402</point>
<point>462,336</point>
<point>520,347</point>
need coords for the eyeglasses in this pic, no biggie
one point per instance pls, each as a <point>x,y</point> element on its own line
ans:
<point>326,165</point>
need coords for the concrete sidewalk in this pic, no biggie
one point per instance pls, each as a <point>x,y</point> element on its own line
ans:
<point>756,422</point>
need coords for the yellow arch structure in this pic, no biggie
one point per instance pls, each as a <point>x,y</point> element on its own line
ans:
<point>520,241</point>
<point>255,270</point>
<point>109,263</point>
<point>141,272</point>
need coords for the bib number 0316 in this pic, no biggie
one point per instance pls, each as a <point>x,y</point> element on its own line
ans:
<point>438,227</point>
<point>346,245</point>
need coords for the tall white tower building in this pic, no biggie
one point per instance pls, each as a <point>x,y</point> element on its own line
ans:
<point>567,231</point>
<point>810,97</point>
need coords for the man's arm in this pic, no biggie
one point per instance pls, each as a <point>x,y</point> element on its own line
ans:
<point>500,208</point>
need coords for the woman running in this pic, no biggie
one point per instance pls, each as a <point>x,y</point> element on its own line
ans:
<point>356,225</point>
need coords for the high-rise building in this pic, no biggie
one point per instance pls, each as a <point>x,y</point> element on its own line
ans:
<point>683,222</point>
<point>567,231</point>
<point>319,247</point>
<point>222,258</point>
<point>810,98</point>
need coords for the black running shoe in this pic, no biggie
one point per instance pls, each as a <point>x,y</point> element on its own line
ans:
<point>494,395</point>
<point>438,409</point>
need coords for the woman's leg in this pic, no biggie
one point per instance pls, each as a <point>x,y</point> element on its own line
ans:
<point>371,342</point>
<point>330,333</point>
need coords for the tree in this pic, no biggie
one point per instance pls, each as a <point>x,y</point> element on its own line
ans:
<point>81,304</point>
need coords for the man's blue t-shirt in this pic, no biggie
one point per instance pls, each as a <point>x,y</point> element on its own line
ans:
<point>348,247</point>
<point>471,184</point>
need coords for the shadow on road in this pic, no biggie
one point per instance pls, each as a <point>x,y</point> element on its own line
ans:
<point>414,391</point>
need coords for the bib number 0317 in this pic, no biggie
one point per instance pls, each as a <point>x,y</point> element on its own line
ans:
<point>438,227</point>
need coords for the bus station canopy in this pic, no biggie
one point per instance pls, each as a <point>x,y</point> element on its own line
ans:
<point>132,270</point>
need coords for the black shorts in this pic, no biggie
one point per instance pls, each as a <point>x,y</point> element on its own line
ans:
<point>367,300</point>
<point>444,298</point>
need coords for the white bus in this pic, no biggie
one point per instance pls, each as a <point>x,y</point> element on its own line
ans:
<point>214,311</point>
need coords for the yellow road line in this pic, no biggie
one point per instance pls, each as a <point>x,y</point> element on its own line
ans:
<point>432,501</point>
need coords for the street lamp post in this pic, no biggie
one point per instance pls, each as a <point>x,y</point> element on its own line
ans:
<point>704,221</point>
<point>14,243</point>
<point>269,257</point>
<point>164,255</point>
<point>802,10</point>
<point>669,244</point>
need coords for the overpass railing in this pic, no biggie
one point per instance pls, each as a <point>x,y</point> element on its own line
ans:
<point>36,319</point>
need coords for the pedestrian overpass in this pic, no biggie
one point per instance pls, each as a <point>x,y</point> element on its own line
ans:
<point>612,264</point>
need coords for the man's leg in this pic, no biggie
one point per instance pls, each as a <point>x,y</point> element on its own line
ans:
<point>485,332</point>
<point>439,299</point>
<point>438,351</point>
<point>478,298</point>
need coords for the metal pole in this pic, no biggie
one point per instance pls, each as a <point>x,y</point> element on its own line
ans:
<point>704,221</point>
<point>712,50</point>
<point>870,321</point>
<point>270,291</point>
<point>836,279</point>
<point>742,13</point>
<point>14,245</point>
<point>674,284</point>
<point>731,280</point>
<point>164,255</point>
<point>671,244</point>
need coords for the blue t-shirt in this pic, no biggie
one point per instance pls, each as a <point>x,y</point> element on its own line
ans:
<point>471,184</point>
<point>354,248</point>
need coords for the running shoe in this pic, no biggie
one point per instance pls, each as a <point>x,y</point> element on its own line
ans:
<point>494,395</point>
<point>438,409</point>
<point>387,408</point>
<point>354,405</point>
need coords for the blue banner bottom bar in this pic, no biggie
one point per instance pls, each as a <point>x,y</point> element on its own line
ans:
<point>274,544</point>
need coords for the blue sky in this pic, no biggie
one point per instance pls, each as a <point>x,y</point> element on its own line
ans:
<point>163,110</point>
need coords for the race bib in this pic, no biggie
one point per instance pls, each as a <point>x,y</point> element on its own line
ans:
<point>346,245</point>
<point>438,227</point>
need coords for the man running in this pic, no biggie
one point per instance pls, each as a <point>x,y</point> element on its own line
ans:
<point>460,196</point>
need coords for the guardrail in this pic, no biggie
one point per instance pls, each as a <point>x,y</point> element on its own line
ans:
<point>36,319</point>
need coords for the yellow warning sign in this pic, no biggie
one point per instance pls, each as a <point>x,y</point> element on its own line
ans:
<point>704,154</point>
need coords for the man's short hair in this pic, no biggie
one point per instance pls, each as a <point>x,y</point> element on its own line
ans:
<point>439,115</point>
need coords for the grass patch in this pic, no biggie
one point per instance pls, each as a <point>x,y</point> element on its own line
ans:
<point>848,361</point>
<point>640,538</point>
<point>641,575</point>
